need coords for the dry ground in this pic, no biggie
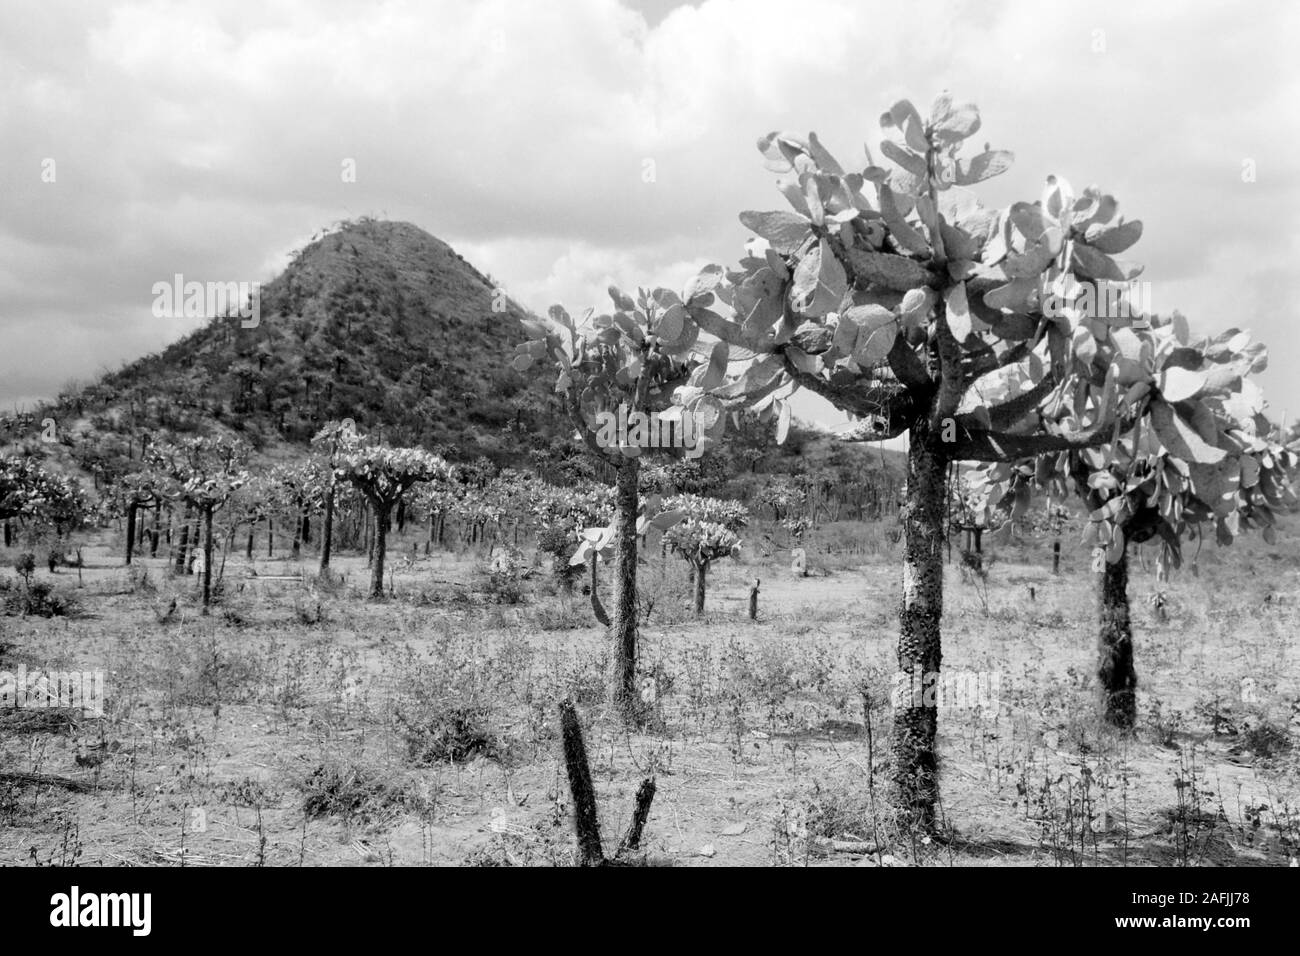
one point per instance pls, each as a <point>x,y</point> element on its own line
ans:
<point>307,725</point>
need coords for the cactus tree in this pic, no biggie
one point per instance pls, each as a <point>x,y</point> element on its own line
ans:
<point>204,473</point>
<point>300,489</point>
<point>902,300</point>
<point>707,532</point>
<point>701,543</point>
<point>384,474</point>
<point>133,491</point>
<point>330,440</point>
<point>1207,462</point>
<point>29,490</point>
<point>612,368</point>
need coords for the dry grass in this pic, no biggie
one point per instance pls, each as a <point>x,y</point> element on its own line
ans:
<point>313,726</point>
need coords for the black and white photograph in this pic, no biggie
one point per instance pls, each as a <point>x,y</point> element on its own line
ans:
<point>650,434</point>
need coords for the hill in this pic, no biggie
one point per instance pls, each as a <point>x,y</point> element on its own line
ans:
<point>379,322</point>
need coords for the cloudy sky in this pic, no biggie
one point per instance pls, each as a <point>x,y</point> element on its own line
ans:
<point>564,146</point>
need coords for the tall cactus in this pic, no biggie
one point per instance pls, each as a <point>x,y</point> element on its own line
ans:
<point>898,297</point>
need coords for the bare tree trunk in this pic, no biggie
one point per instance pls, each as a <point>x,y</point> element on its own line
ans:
<point>1116,677</point>
<point>920,615</point>
<point>207,557</point>
<point>194,544</point>
<point>380,546</point>
<point>327,534</point>
<point>626,501</point>
<point>701,572</point>
<point>596,607</point>
<point>183,546</point>
<point>130,531</point>
<point>226,551</point>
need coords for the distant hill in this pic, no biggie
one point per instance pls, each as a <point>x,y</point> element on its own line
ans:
<point>379,322</point>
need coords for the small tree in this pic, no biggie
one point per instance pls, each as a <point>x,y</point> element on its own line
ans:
<point>301,490</point>
<point>250,506</point>
<point>707,532</point>
<point>384,474</point>
<point>330,440</point>
<point>598,544</point>
<point>204,473</point>
<point>559,516</point>
<point>26,486</point>
<point>622,365</point>
<point>967,515</point>
<point>25,565</point>
<point>783,495</point>
<point>435,501</point>
<point>33,493</point>
<point>701,543</point>
<point>133,491</point>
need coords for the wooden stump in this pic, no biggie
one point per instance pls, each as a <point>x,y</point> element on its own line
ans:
<point>585,819</point>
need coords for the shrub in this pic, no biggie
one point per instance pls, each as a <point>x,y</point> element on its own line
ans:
<point>503,580</point>
<point>558,540</point>
<point>349,791</point>
<point>309,612</point>
<point>837,812</point>
<point>443,705</point>
<point>1265,740</point>
<point>39,598</point>
<point>454,731</point>
<point>25,565</point>
<point>138,579</point>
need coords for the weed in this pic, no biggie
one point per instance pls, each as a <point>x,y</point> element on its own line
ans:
<point>346,790</point>
<point>1165,725</point>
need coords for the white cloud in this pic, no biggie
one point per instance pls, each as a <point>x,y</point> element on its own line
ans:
<point>209,139</point>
